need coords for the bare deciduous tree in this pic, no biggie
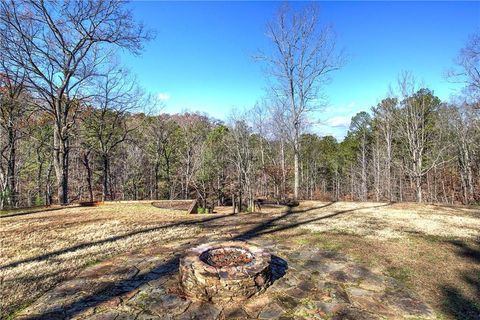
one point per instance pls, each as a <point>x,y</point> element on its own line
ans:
<point>415,122</point>
<point>384,114</point>
<point>106,125</point>
<point>303,57</point>
<point>13,113</point>
<point>360,128</point>
<point>242,156</point>
<point>162,151</point>
<point>61,45</point>
<point>468,68</point>
<point>461,120</point>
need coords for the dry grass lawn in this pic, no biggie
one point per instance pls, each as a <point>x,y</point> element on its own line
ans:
<point>40,250</point>
<point>383,221</point>
<point>434,250</point>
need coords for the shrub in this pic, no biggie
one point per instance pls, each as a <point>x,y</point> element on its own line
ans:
<point>38,200</point>
<point>201,210</point>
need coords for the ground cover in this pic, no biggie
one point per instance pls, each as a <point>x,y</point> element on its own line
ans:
<point>433,252</point>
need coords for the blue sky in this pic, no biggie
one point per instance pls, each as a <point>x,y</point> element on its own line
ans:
<point>201,59</point>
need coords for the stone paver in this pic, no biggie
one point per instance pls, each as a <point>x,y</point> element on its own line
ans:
<point>310,283</point>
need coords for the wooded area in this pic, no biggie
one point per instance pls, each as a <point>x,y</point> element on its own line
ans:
<point>75,126</point>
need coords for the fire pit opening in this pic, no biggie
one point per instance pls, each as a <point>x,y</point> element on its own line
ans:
<point>225,271</point>
<point>226,257</point>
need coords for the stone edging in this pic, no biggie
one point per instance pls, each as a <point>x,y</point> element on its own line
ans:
<point>222,284</point>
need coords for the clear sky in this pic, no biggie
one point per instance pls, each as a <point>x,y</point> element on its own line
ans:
<point>201,59</point>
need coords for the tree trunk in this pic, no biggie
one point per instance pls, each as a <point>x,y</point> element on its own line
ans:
<point>296,156</point>
<point>60,163</point>
<point>364,170</point>
<point>157,179</point>
<point>9,198</point>
<point>466,172</point>
<point>284,173</point>
<point>105,168</point>
<point>351,183</point>
<point>388,169</point>
<point>48,186</point>
<point>39,179</point>
<point>11,178</point>
<point>297,175</point>
<point>418,187</point>
<point>86,163</point>
<point>418,177</point>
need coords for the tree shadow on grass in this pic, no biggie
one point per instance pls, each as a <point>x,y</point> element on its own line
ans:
<point>271,223</point>
<point>469,251</point>
<point>456,303</point>
<point>27,211</point>
<point>282,222</point>
<point>170,267</point>
<point>110,239</point>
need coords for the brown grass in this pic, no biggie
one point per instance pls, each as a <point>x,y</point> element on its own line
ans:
<point>41,249</point>
<point>438,270</point>
<point>383,221</point>
<point>434,250</point>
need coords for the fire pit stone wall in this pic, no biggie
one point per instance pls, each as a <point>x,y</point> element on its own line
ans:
<point>225,271</point>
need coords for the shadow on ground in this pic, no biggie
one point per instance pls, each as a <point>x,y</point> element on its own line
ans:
<point>456,303</point>
<point>110,239</point>
<point>279,224</point>
<point>27,211</point>
<point>279,267</point>
<point>288,220</point>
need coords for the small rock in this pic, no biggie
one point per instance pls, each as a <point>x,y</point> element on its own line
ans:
<point>171,303</point>
<point>349,313</point>
<point>271,311</point>
<point>235,313</point>
<point>359,292</point>
<point>127,316</point>
<point>288,302</point>
<point>329,267</point>
<point>332,292</point>
<point>306,286</point>
<point>201,311</point>
<point>373,306</point>
<point>328,308</point>
<point>108,303</point>
<point>342,277</point>
<point>109,315</point>
<point>297,293</point>
<point>253,306</point>
<point>160,303</point>
<point>407,304</point>
<point>148,316</point>
<point>377,287</point>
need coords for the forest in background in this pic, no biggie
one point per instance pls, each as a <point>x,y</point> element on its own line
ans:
<point>75,126</point>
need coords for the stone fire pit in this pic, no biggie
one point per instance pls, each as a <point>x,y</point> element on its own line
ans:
<point>225,271</point>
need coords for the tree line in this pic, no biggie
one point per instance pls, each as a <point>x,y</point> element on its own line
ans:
<point>74,125</point>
